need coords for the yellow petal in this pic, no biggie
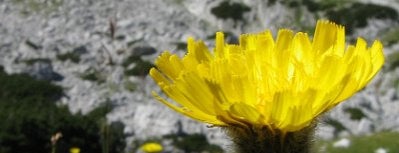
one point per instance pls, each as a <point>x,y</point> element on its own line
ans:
<point>328,34</point>
<point>219,46</point>
<point>245,112</point>
<point>282,84</point>
<point>200,116</point>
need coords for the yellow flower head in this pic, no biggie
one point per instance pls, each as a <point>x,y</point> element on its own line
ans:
<point>151,147</point>
<point>74,150</point>
<point>281,84</point>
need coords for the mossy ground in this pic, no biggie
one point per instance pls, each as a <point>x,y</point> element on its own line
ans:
<point>362,144</point>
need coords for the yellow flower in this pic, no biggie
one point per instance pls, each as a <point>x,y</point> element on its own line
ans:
<point>281,84</point>
<point>74,150</point>
<point>151,147</point>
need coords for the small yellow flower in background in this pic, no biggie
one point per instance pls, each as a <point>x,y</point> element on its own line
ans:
<point>74,150</point>
<point>282,83</point>
<point>151,147</point>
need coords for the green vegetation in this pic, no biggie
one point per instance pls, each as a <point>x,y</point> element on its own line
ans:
<point>73,57</point>
<point>355,113</point>
<point>133,42</point>
<point>187,143</point>
<point>338,126</point>
<point>93,75</point>
<point>30,116</point>
<point>45,6</point>
<point>129,85</point>
<point>141,67</point>
<point>351,14</point>
<point>392,61</point>
<point>357,14</point>
<point>363,144</point>
<point>391,37</point>
<point>226,10</point>
<point>193,143</point>
<point>131,59</point>
<point>181,46</point>
<point>34,60</point>
<point>33,45</point>
<point>316,6</point>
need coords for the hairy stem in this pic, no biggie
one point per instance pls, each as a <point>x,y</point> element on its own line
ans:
<point>266,140</point>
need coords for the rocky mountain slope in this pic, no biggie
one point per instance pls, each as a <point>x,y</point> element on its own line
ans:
<point>100,50</point>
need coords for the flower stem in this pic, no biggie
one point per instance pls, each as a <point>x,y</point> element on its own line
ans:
<point>266,140</point>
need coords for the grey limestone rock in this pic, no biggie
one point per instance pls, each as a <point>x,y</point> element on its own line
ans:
<point>83,27</point>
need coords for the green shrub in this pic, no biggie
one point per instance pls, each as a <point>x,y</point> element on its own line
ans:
<point>141,67</point>
<point>226,10</point>
<point>338,126</point>
<point>131,59</point>
<point>182,46</point>
<point>30,116</point>
<point>349,13</point>
<point>357,14</point>
<point>355,113</point>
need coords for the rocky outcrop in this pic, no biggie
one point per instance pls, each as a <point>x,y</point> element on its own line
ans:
<point>85,44</point>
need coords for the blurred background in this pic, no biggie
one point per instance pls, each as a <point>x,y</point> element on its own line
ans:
<point>73,73</point>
